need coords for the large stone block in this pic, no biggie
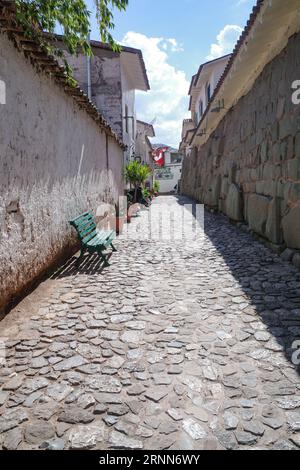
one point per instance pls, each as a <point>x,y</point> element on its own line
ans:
<point>273,231</point>
<point>214,192</point>
<point>291,228</point>
<point>257,213</point>
<point>234,203</point>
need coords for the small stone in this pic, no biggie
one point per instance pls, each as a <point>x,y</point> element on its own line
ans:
<point>156,393</point>
<point>90,369</point>
<point>117,410</point>
<point>136,325</point>
<point>95,324</point>
<point>39,431</point>
<point>13,384</point>
<point>53,444</point>
<point>45,410</point>
<point>3,397</point>
<point>134,337</point>
<point>121,318</point>
<point>293,420</point>
<point>288,403</point>
<point>38,363</point>
<point>115,362</point>
<point>73,415</point>
<point>86,401</point>
<point>175,414</point>
<point>231,421</point>
<point>11,419</point>
<point>193,429</point>
<point>86,437</point>
<point>176,344</point>
<point>254,427</point>
<point>175,370</point>
<point>227,439</point>
<point>263,336</point>
<point>168,428</point>
<point>210,373</point>
<point>245,438</point>
<point>12,439</point>
<point>274,423</point>
<point>70,363</point>
<point>153,422</point>
<point>59,391</point>
<point>295,439</point>
<point>110,420</point>
<point>136,389</point>
<point>100,409</point>
<point>160,379</point>
<point>117,440</point>
<point>105,384</point>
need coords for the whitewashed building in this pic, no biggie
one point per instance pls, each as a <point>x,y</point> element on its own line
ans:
<point>112,84</point>
<point>169,175</point>
<point>203,85</point>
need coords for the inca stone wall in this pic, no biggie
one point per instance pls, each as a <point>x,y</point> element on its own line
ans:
<point>249,169</point>
<point>55,163</point>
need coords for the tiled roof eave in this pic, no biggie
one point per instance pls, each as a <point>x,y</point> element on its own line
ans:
<point>255,12</point>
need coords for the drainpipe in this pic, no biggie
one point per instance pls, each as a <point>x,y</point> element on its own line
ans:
<point>89,80</point>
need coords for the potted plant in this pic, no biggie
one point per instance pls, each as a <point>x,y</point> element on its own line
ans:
<point>136,175</point>
<point>129,205</point>
<point>156,188</point>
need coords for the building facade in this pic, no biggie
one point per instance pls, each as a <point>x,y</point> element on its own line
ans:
<point>168,174</point>
<point>144,148</point>
<point>114,79</point>
<point>202,88</point>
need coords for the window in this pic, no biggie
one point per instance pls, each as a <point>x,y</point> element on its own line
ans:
<point>200,109</point>
<point>208,92</point>
<point>176,158</point>
<point>126,118</point>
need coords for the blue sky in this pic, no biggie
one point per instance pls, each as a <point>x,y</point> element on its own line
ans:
<point>176,36</point>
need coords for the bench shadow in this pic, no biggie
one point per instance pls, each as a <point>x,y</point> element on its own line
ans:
<point>90,264</point>
<point>271,285</point>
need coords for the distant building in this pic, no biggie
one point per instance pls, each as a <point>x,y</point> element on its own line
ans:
<point>115,77</point>
<point>143,146</point>
<point>203,85</point>
<point>169,174</point>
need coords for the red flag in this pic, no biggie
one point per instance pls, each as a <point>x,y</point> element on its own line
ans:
<point>159,156</point>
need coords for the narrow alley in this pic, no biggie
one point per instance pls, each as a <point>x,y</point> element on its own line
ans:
<point>177,345</point>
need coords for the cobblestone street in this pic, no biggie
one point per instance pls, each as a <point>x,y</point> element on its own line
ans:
<point>177,345</point>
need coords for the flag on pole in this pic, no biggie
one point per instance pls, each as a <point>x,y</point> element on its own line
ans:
<point>159,156</point>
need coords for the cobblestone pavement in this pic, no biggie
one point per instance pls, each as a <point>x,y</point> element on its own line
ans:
<point>177,345</point>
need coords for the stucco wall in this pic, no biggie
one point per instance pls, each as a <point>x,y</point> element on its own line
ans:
<point>55,163</point>
<point>249,169</point>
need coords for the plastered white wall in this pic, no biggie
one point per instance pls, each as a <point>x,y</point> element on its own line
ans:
<point>55,163</point>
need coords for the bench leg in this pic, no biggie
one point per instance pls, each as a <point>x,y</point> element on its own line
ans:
<point>104,258</point>
<point>78,261</point>
<point>114,249</point>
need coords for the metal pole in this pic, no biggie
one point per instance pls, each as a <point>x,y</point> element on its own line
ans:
<point>89,80</point>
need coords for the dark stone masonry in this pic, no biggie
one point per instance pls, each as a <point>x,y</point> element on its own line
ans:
<point>249,169</point>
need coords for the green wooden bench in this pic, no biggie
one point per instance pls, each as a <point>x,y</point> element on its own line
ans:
<point>91,238</point>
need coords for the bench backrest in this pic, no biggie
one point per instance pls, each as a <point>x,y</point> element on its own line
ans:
<point>85,226</point>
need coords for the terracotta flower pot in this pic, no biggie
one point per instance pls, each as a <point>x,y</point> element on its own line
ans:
<point>120,224</point>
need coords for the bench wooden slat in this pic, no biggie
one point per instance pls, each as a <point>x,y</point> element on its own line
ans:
<point>100,239</point>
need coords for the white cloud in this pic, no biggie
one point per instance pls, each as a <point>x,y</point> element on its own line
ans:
<point>167,99</point>
<point>226,41</point>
